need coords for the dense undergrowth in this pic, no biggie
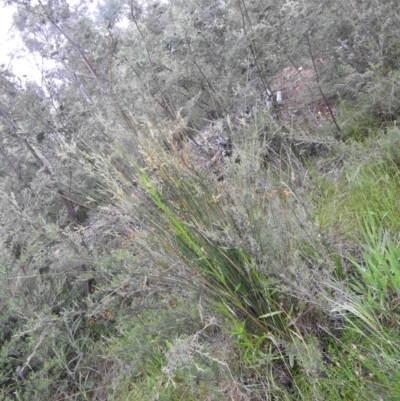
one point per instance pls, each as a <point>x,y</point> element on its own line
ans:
<point>174,238</point>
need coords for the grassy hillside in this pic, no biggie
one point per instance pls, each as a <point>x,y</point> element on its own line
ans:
<point>205,218</point>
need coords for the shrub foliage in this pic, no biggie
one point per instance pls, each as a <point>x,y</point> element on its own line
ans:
<point>199,201</point>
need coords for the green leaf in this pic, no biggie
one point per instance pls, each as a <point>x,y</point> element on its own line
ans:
<point>270,314</point>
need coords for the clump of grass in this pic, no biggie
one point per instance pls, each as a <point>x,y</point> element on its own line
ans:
<point>191,216</point>
<point>380,275</point>
<point>369,187</point>
<point>245,239</point>
<point>369,304</point>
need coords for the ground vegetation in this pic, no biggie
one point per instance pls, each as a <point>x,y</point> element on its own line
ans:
<point>199,201</point>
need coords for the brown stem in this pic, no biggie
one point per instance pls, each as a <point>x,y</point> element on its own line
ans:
<point>319,86</point>
<point>167,107</point>
<point>42,161</point>
<point>10,163</point>
<point>253,48</point>
<point>75,45</point>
